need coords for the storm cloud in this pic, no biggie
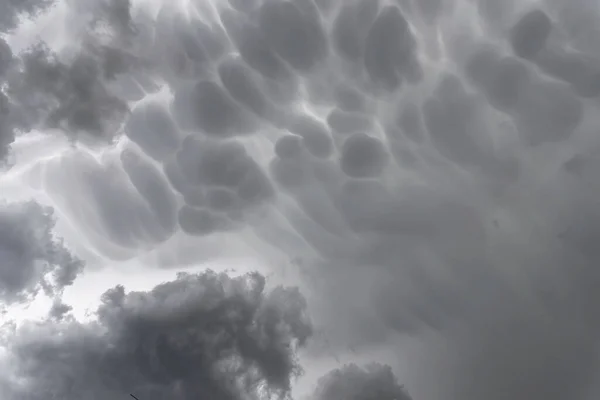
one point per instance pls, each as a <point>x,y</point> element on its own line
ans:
<point>32,258</point>
<point>199,335</point>
<point>423,171</point>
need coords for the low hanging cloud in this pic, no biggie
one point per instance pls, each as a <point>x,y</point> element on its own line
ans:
<point>207,335</point>
<point>32,259</point>
<point>352,382</point>
<point>12,11</point>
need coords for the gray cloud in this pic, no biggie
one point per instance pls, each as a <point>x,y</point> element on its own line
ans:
<point>436,191</point>
<point>12,10</point>
<point>49,93</point>
<point>71,90</point>
<point>373,381</point>
<point>199,335</point>
<point>128,202</point>
<point>32,259</point>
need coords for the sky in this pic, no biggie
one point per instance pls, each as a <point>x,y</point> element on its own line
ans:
<point>299,199</point>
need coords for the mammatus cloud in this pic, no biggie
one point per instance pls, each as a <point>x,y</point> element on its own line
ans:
<point>429,166</point>
<point>31,257</point>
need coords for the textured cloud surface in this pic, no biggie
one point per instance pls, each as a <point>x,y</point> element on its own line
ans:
<point>423,171</point>
<point>31,257</point>
<point>204,335</point>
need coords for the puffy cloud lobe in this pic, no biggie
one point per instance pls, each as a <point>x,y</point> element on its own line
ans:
<point>315,135</point>
<point>254,48</point>
<point>530,33</point>
<point>184,47</point>
<point>122,205</point>
<point>457,125</point>
<point>48,93</point>
<point>219,182</point>
<point>207,108</point>
<point>205,335</point>
<point>350,99</point>
<point>73,93</point>
<point>548,112</point>
<point>31,258</point>
<point>352,382</point>
<point>580,70</point>
<point>390,50</point>
<point>295,34</point>
<point>351,28</point>
<point>151,127</point>
<point>237,79</point>
<point>363,156</point>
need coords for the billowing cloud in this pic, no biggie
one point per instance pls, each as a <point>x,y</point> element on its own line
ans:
<point>373,381</point>
<point>71,90</point>
<point>207,335</point>
<point>11,11</point>
<point>31,257</point>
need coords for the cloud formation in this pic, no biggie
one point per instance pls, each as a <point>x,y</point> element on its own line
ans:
<point>352,382</point>
<point>207,335</point>
<point>428,167</point>
<point>31,257</point>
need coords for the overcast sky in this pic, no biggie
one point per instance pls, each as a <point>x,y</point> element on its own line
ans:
<point>299,199</point>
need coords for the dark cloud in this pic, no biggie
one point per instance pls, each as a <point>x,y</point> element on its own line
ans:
<point>31,258</point>
<point>51,94</point>
<point>70,90</point>
<point>294,33</point>
<point>363,156</point>
<point>11,11</point>
<point>351,27</point>
<point>345,122</point>
<point>548,112</point>
<point>206,335</point>
<point>530,33</point>
<point>226,164</point>
<point>315,135</point>
<point>220,183</point>
<point>352,382</point>
<point>410,121</point>
<point>456,122</point>
<point>150,126</point>
<point>207,108</point>
<point>390,49</point>
<point>350,99</point>
<point>580,70</point>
